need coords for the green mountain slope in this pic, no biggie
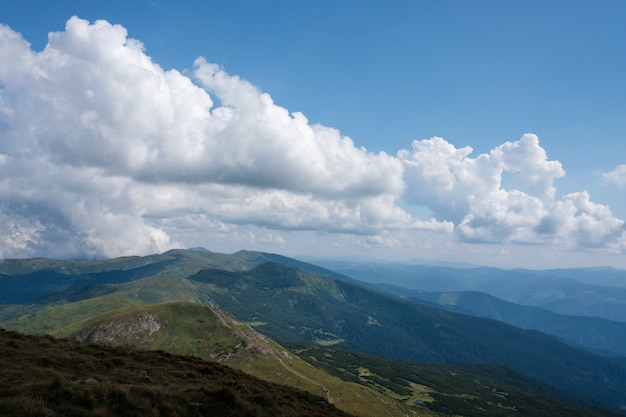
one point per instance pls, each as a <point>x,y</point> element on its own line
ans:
<point>299,307</point>
<point>467,390</point>
<point>209,333</point>
<point>293,305</point>
<point>29,285</point>
<point>594,333</point>
<point>43,376</point>
<point>362,385</point>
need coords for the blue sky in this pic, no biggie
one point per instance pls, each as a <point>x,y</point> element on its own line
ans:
<point>381,75</point>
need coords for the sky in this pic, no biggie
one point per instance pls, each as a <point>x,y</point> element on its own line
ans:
<point>483,132</point>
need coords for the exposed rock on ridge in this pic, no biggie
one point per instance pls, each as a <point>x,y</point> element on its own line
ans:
<point>139,328</point>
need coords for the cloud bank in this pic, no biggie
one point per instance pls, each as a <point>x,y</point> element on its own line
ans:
<point>104,153</point>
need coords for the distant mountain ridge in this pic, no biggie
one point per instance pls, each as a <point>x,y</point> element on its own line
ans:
<point>30,279</point>
<point>284,300</point>
<point>603,336</point>
<point>552,290</point>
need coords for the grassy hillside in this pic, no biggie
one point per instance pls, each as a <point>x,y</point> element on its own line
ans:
<point>358,384</point>
<point>299,307</point>
<point>206,332</point>
<point>209,333</point>
<point>293,305</point>
<point>467,390</point>
<point>43,376</point>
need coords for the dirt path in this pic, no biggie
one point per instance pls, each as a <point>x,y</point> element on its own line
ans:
<point>261,344</point>
<point>307,379</point>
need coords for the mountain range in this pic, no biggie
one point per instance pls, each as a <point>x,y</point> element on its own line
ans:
<point>603,336</point>
<point>301,306</point>
<point>592,292</point>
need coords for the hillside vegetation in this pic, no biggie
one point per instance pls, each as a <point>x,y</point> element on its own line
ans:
<point>43,377</point>
<point>290,301</point>
<point>458,390</point>
<point>300,307</point>
<point>212,334</point>
<point>362,385</point>
<point>594,333</point>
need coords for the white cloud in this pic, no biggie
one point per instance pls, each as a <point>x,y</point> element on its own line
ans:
<point>102,102</point>
<point>577,221</point>
<point>502,216</point>
<point>59,210</point>
<point>617,176</point>
<point>445,179</point>
<point>103,153</point>
<point>528,162</point>
<point>470,192</point>
<point>451,183</point>
<point>263,145</point>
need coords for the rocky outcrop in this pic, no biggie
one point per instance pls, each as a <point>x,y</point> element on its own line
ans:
<point>138,328</point>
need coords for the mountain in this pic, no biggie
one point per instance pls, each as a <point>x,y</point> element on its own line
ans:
<point>358,384</point>
<point>29,285</point>
<point>598,276</point>
<point>44,376</point>
<point>566,291</point>
<point>212,334</point>
<point>297,306</point>
<point>452,390</point>
<point>596,334</point>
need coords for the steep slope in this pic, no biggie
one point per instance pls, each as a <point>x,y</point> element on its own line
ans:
<point>43,376</point>
<point>594,333</point>
<point>459,390</point>
<point>209,333</point>
<point>363,385</point>
<point>294,306</point>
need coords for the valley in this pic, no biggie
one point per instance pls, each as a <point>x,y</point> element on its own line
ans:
<point>301,325</point>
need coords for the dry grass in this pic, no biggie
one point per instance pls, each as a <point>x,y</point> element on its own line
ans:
<point>46,377</point>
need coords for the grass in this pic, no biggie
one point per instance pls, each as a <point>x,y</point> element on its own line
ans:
<point>50,319</point>
<point>41,376</point>
<point>299,307</point>
<point>358,384</point>
<point>468,390</point>
<point>194,329</point>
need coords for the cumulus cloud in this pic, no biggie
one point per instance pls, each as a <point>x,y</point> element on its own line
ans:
<point>104,153</point>
<point>617,176</point>
<point>577,221</point>
<point>470,192</point>
<point>154,125</point>
<point>263,145</point>
<point>453,184</point>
